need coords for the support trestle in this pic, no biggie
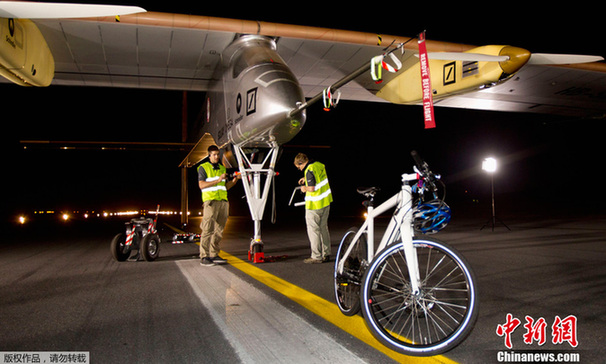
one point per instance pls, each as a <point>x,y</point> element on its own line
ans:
<point>257,167</point>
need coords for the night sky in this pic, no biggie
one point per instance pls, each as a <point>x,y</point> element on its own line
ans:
<point>544,159</point>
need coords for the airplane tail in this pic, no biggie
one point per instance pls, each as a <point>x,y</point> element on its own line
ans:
<point>199,151</point>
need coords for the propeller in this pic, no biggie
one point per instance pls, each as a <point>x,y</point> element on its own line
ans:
<point>40,10</point>
<point>549,58</point>
<point>466,57</point>
<point>535,58</point>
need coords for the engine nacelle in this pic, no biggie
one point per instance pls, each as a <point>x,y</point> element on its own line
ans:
<point>25,58</point>
<point>454,77</point>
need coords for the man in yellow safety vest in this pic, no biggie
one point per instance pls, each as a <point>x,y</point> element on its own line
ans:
<point>318,198</point>
<point>212,177</point>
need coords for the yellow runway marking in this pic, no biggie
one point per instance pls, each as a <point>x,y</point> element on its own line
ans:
<point>329,311</point>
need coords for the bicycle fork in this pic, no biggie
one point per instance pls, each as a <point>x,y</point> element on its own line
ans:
<point>407,232</point>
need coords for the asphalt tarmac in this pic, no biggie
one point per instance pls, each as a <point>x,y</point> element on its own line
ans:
<point>62,291</point>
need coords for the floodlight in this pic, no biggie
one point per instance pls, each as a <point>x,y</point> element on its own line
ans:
<point>489,165</point>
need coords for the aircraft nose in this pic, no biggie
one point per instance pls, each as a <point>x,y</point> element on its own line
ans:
<point>277,94</point>
<point>518,57</point>
<point>289,123</point>
<point>297,118</point>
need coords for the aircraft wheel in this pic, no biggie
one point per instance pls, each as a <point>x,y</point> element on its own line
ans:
<point>150,247</point>
<point>118,248</point>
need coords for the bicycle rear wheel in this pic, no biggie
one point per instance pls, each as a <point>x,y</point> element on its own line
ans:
<point>431,322</point>
<point>347,284</point>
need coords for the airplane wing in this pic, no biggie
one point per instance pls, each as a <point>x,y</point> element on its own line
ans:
<point>566,91</point>
<point>181,52</point>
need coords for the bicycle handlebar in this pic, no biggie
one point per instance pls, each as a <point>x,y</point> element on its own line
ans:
<point>423,168</point>
<point>417,158</point>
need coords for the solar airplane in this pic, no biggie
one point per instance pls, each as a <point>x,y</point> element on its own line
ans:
<point>260,77</point>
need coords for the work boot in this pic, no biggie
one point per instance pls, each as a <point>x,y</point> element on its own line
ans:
<point>219,260</point>
<point>312,261</point>
<point>206,262</point>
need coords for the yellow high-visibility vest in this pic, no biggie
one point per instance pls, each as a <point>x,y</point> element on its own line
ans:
<point>219,191</point>
<point>322,196</point>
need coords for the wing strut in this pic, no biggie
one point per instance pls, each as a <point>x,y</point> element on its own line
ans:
<point>345,80</point>
<point>342,82</point>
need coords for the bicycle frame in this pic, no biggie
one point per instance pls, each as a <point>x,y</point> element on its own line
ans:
<point>401,223</point>
<point>412,316</point>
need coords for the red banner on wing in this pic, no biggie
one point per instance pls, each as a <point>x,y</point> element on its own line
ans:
<point>426,84</point>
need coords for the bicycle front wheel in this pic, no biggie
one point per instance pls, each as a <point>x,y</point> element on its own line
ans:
<point>435,319</point>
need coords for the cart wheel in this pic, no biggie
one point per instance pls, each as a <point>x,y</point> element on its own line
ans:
<point>118,248</point>
<point>150,247</point>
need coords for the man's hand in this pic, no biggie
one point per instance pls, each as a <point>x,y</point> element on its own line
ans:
<point>308,188</point>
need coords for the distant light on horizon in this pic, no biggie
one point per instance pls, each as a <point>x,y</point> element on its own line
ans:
<point>69,215</point>
<point>126,213</point>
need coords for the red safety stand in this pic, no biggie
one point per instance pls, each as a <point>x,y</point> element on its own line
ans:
<point>255,253</point>
<point>256,257</point>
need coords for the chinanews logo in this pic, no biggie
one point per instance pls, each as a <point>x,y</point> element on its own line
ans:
<point>562,331</point>
<point>537,357</point>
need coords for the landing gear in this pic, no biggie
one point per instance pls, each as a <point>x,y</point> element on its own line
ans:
<point>257,166</point>
<point>255,253</point>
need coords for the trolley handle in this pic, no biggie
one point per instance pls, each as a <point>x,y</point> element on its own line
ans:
<point>294,192</point>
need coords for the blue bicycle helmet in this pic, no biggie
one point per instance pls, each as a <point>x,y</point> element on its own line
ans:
<point>431,217</point>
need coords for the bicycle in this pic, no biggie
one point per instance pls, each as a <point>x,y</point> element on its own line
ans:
<point>435,310</point>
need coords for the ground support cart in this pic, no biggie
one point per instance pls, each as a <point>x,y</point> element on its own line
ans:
<point>141,236</point>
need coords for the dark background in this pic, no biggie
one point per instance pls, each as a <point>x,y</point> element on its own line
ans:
<point>547,163</point>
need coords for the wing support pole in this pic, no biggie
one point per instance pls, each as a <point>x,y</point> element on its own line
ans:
<point>257,179</point>
<point>337,85</point>
<point>343,81</point>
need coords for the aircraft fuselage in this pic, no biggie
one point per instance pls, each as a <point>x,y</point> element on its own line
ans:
<point>254,93</point>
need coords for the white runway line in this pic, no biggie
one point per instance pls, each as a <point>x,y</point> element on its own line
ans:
<point>260,329</point>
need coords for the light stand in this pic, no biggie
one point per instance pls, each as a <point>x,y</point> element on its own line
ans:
<point>490,165</point>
